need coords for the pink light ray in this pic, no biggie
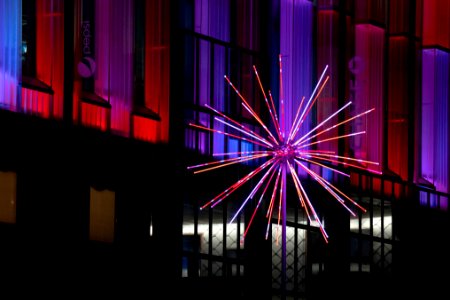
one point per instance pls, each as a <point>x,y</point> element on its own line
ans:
<point>338,124</point>
<point>334,138</point>
<point>283,126</point>
<point>349,158</point>
<point>308,109</point>
<point>272,115</point>
<point>324,183</point>
<point>241,153</point>
<point>227,134</point>
<point>231,161</point>
<point>251,111</point>
<point>311,207</point>
<point>272,201</point>
<point>236,185</point>
<point>333,187</point>
<point>296,119</point>
<point>275,113</point>
<point>244,132</point>
<point>234,122</point>
<point>323,166</point>
<point>250,196</point>
<point>322,123</point>
<point>314,91</point>
<point>347,164</point>
<point>279,210</point>
<point>299,192</point>
<point>259,203</point>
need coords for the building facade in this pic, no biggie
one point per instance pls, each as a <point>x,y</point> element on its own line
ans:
<point>96,98</point>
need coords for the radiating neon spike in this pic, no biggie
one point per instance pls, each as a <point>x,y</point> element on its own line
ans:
<point>277,127</point>
<point>242,153</point>
<point>349,158</point>
<point>334,138</point>
<point>314,91</point>
<point>251,111</point>
<point>259,202</point>
<point>323,166</point>
<point>313,211</point>
<point>236,160</point>
<point>272,115</point>
<point>237,184</point>
<point>346,164</point>
<point>262,124</point>
<point>334,188</point>
<point>282,98</point>
<point>280,203</point>
<point>324,183</point>
<point>322,123</point>
<point>310,151</point>
<point>228,134</point>
<point>274,192</point>
<point>296,119</point>
<point>234,121</point>
<point>272,200</point>
<point>339,124</point>
<point>246,179</point>
<point>221,161</point>
<point>250,196</point>
<point>245,132</point>
<point>299,192</point>
<point>314,100</point>
<point>303,118</point>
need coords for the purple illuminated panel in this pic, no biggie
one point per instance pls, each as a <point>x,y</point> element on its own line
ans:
<point>435,99</point>
<point>368,91</point>
<point>10,62</point>
<point>114,59</point>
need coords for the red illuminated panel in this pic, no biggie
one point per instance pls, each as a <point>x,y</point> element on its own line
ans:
<point>94,116</point>
<point>36,102</point>
<point>145,129</point>
<point>398,106</point>
<point>436,23</point>
<point>157,66</point>
<point>50,53</point>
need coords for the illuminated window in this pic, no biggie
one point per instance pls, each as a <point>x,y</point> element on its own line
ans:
<point>8,183</point>
<point>102,215</point>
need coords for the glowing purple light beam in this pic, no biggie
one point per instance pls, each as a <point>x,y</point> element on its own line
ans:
<point>272,112</point>
<point>251,111</point>
<point>249,131</point>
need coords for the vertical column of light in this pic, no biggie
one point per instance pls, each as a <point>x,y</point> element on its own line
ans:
<point>369,80</point>
<point>327,54</point>
<point>157,63</point>
<point>114,49</point>
<point>103,48</point>
<point>121,31</point>
<point>296,51</point>
<point>435,95</point>
<point>435,98</point>
<point>50,49</point>
<point>398,70</point>
<point>212,18</point>
<point>10,43</point>
<point>296,48</point>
